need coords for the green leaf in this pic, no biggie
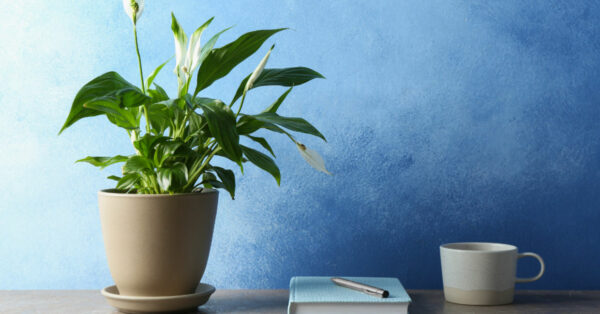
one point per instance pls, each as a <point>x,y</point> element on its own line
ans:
<point>164,176</point>
<point>197,101</point>
<point>248,125</point>
<point>114,178</point>
<point>128,182</point>
<point>145,144</point>
<point>273,108</point>
<point>103,85</point>
<point>221,61</point>
<point>158,94</point>
<point>207,48</point>
<point>221,123</point>
<point>165,150</point>
<point>103,162</point>
<point>131,97</point>
<point>181,170</point>
<point>117,115</point>
<point>152,75</point>
<point>209,180</point>
<point>281,77</point>
<point>274,128</point>
<point>227,178</point>
<point>294,124</point>
<point>196,122</point>
<point>160,116</point>
<point>137,164</point>
<point>263,143</point>
<point>262,161</point>
<point>173,178</point>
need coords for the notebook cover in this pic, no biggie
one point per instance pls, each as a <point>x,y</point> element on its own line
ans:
<point>323,290</point>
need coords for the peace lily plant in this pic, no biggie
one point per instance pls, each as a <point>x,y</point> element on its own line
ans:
<point>182,134</point>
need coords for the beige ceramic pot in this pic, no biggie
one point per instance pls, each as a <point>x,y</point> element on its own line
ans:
<point>157,245</point>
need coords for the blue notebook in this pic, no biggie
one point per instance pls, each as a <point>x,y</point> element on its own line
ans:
<point>320,295</point>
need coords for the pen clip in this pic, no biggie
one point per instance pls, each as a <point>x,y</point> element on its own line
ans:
<point>373,293</point>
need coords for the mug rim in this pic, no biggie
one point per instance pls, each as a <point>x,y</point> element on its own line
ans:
<point>492,247</point>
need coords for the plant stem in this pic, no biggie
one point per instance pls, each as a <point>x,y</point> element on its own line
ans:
<point>241,104</point>
<point>145,109</point>
<point>198,172</point>
<point>137,51</point>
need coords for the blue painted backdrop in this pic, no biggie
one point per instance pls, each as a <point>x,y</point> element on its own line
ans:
<point>447,121</point>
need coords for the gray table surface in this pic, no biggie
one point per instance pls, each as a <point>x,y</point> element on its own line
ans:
<point>275,301</point>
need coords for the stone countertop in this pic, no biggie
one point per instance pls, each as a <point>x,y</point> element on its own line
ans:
<point>275,301</point>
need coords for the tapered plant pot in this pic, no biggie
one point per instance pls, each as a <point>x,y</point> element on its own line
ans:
<point>157,245</point>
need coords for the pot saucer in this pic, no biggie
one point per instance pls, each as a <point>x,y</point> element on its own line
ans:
<point>174,303</point>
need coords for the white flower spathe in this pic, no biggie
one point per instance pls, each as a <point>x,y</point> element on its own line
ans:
<point>258,70</point>
<point>180,52</point>
<point>187,60</point>
<point>132,6</point>
<point>312,158</point>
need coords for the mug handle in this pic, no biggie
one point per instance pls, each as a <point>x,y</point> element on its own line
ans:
<point>542,267</point>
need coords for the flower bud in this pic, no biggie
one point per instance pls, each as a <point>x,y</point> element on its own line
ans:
<point>312,158</point>
<point>134,9</point>
<point>258,70</point>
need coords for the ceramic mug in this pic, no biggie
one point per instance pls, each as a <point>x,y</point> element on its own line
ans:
<point>479,273</point>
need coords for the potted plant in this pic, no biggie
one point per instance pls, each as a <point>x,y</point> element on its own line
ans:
<point>158,222</point>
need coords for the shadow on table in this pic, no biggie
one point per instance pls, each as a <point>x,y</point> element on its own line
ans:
<point>525,302</point>
<point>549,298</point>
<point>245,303</point>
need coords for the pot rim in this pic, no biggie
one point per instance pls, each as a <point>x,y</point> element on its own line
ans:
<point>119,193</point>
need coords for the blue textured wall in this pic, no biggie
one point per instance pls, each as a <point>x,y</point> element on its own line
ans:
<point>447,121</point>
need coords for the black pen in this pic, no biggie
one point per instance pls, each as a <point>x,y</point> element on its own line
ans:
<point>370,290</point>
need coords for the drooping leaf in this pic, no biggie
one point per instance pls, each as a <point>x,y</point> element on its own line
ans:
<point>109,105</point>
<point>103,162</point>
<point>281,77</point>
<point>227,177</point>
<point>209,180</point>
<point>294,124</point>
<point>274,128</point>
<point>262,161</point>
<point>103,85</point>
<point>221,61</point>
<point>221,123</point>
<point>263,143</point>
<point>248,125</point>
<point>131,97</point>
